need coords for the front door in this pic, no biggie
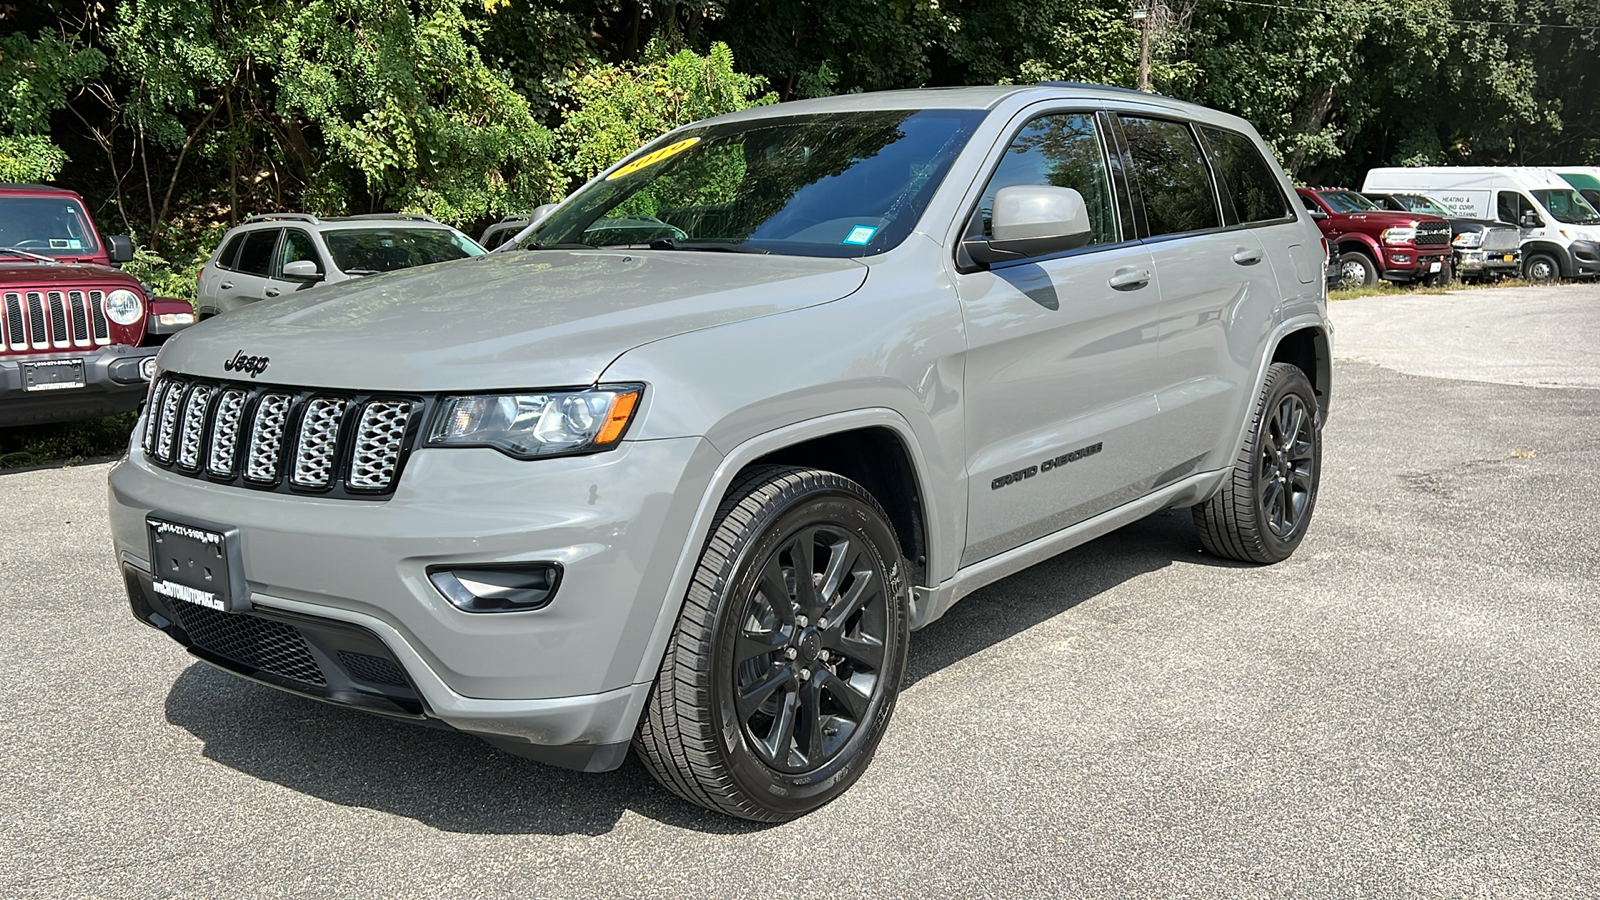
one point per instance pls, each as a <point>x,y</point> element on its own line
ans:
<point>1060,372</point>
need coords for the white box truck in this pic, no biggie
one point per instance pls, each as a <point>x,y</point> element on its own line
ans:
<point>1560,229</point>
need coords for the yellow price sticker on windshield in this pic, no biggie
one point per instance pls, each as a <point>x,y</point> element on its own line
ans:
<point>650,159</point>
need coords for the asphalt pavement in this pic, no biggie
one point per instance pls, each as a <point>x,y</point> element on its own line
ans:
<point>1410,706</point>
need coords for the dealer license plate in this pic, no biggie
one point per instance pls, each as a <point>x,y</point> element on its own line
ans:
<point>197,564</point>
<point>1435,267</point>
<point>52,375</point>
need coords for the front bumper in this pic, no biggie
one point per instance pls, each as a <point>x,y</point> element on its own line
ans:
<point>1585,258</point>
<point>557,683</point>
<point>1476,262</point>
<point>1410,264</point>
<point>112,383</point>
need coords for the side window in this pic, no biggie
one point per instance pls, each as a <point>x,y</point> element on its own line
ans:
<point>230,252</point>
<point>296,246</point>
<point>1062,150</point>
<point>1511,207</point>
<point>1309,203</point>
<point>255,257</point>
<point>1171,176</point>
<point>1250,190</point>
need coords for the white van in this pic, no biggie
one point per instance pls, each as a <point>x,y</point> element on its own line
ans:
<point>1560,230</point>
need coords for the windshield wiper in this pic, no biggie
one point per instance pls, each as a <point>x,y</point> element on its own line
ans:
<point>31,255</point>
<point>702,246</point>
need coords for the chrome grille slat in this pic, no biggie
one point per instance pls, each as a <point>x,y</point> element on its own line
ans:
<point>80,319</point>
<point>379,439</point>
<point>102,329</point>
<point>169,422</point>
<point>319,440</point>
<point>15,332</point>
<point>59,335</point>
<point>279,439</point>
<point>266,437</point>
<point>194,425</point>
<point>225,433</point>
<point>38,338</point>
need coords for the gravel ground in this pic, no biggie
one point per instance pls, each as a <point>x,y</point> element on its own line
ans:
<point>1408,707</point>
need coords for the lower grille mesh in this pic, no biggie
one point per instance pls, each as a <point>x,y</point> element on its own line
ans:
<point>258,643</point>
<point>371,669</point>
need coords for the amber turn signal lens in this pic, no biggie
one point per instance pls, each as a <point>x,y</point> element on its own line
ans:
<point>617,418</point>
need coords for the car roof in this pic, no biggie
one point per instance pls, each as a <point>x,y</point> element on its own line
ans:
<point>343,223</point>
<point>36,190</point>
<point>982,97</point>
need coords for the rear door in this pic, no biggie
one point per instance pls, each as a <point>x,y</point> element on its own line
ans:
<point>1219,292</point>
<point>252,270</point>
<point>1060,390</point>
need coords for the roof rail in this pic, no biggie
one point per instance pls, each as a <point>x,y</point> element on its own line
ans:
<point>409,217</point>
<point>283,217</point>
<point>1099,87</point>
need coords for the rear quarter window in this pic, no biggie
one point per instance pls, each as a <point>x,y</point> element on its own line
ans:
<point>230,251</point>
<point>1248,182</point>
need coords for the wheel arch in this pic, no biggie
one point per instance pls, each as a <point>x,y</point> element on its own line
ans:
<point>1562,257</point>
<point>1362,243</point>
<point>1308,349</point>
<point>839,439</point>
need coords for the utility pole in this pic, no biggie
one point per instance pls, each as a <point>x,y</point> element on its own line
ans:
<point>1141,14</point>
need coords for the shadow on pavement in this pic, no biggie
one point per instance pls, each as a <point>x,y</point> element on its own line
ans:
<point>457,783</point>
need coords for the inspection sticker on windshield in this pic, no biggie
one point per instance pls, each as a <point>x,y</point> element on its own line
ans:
<point>861,234</point>
<point>650,159</point>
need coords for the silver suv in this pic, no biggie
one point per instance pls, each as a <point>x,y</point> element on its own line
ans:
<point>683,466</point>
<point>271,255</point>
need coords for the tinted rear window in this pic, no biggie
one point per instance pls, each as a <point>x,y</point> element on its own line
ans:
<point>1250,190</point>
<point>255,258</point>
<point>1171,176</point>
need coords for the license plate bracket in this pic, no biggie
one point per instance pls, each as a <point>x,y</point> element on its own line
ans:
<point>52,375</point>
<point>200,563</point>
<point>1434,267</point>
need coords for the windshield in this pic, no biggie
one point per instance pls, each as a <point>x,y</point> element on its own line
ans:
<point>1419,204</point>
<point>1348,202</point>
<point>1567,207</point>
<point>834,184</point>
<point>46,226</point>
<point>367,251</point>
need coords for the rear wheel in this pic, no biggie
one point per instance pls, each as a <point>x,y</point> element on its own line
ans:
<point>1541,268</point>
<point>786,660</point>
<point>1262,511</point>
<point>1356,269</point>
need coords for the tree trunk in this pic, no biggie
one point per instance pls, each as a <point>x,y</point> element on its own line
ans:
<point>1321,105</point>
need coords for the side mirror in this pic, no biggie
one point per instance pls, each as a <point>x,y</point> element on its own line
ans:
<point>1530,219</point>
<point>301,270</point>
<point>540,211</point>
<point>1317,215</point>
<point>1032,220</point>
<point>119,249</point>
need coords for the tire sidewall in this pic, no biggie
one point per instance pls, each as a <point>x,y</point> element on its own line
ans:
<point>1291,382</point>
<point>799,793</point>
<point>1369,275</point>
<point>1534,260</point>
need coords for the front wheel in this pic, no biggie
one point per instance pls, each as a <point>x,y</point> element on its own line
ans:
<point>1541,268</point>
<point>1356,269</point>
<point>783,669</point>
<point>1262,511</point>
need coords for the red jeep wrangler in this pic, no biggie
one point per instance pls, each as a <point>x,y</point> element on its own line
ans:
<point>1369,242</point>
<point>78,338</point>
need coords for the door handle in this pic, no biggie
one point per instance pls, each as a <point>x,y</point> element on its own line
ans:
<point>226,285</point>
<point>1245,256</point>
<point>1129,278</point>
<point>272,292</point>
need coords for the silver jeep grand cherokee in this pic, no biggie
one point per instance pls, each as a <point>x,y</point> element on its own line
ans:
<point>684,465</point>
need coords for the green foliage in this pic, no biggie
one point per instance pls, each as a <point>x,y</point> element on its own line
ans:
<point>29,158</point>
<point>70,442</point>
<point>36,80</point>
<point>617,108</point>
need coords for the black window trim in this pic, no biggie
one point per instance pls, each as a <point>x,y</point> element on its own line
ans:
<point>966,266</point>
<point>226,261</point>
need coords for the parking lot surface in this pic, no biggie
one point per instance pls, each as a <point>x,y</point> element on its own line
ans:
<point>1408,707</point>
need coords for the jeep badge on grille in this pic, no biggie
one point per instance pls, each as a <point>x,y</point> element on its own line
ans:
<point>255,365</point>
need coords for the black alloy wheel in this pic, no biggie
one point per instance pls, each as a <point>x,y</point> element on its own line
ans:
<point>1261,512</point>
<point>784,667</point>
<point>1288,469</point>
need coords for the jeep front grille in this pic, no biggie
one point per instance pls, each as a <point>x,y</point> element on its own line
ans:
<point>280,438</point>
<point>1433,234</point>
<point>52,320</point>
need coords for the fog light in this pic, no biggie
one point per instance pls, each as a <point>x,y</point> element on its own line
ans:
<point>513,587</point>
<point>147,368</point>
<point>1400,257</point>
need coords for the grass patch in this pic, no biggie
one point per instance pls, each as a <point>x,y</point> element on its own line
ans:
<point>65,442</point>
<point>1387,288</point>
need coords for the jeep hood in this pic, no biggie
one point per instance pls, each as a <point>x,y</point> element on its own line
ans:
<point>513,319</point>
<point>18,272</point>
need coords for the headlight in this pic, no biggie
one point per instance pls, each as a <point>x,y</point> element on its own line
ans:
<point>1468,239</point>
<point>123,307</point>
<point>536,424</point>
<point>1399,235</point>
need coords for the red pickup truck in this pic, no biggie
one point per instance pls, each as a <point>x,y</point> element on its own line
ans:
<point>1370,242</point>
<point>78,337</point>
